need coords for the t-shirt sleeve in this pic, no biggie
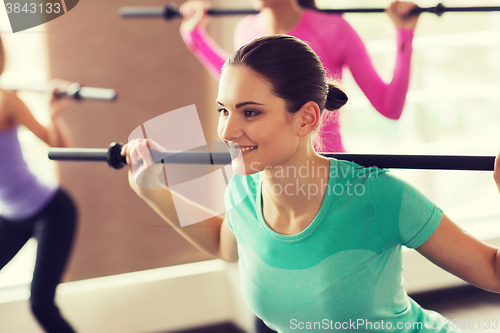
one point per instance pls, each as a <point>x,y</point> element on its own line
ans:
<point>402,213</point>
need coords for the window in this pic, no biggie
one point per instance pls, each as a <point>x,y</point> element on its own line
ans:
<point>452,106</point>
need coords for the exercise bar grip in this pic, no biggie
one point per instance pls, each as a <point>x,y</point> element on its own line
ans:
<point>171,12</point>
<point>96,93</point>
<point>111,155</point>
<point>75,90</point>
<point>426,162</point>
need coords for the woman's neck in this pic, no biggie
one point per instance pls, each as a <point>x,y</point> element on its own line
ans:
<point>289,189</point>
<point>282,18</point>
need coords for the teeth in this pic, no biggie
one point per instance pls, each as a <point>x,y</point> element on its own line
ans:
<point>235,149</point>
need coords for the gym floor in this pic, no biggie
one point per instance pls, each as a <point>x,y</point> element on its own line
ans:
<point>472,309</point>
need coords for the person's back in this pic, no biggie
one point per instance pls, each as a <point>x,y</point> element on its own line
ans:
<point>21,193</point>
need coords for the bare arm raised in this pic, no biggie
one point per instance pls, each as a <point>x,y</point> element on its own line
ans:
<point>56,132</point>
<point>211,235</point>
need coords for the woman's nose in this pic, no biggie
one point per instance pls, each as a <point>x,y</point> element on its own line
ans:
<point>229,129</point>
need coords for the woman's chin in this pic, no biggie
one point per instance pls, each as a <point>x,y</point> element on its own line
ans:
<point>241,169</point>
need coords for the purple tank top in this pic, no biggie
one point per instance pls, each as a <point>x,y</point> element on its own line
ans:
<point>22,194</point>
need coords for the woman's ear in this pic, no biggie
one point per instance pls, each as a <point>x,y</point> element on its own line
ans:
<point>309,117</point>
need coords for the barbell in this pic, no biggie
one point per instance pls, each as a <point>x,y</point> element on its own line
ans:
<point>112,156</point>
<point>74,90</point>
<point>171,12</point>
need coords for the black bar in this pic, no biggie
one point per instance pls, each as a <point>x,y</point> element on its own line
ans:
<point>78,154</point>
<point>426,162</point>
<point>171,12</point>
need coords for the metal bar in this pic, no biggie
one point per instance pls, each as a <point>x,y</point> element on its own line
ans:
<point>171,12</point>
<point>75,90</point>
<point>426,162</point>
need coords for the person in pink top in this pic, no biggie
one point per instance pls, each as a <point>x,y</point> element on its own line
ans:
<point>329,35</point>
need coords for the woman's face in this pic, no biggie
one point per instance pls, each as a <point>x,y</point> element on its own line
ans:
<point>253,122</point>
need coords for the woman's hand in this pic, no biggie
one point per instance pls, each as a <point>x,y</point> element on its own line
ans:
<point>496,173</point>
<point>194,13</point>
<point>144,173</point>
<point>399,12</point>
<point>57,103</point>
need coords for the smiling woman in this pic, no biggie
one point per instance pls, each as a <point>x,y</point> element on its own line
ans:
<point>308,251</point>
<point>280,67</point>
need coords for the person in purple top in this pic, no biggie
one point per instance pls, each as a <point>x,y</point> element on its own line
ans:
<point>330,36</point>
<point>31,208</point>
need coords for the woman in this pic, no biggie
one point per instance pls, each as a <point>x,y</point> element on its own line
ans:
<point>318,241</point>
<point>31,208</point>
<point>330,36</point>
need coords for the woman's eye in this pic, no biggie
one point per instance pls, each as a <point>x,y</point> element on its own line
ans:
<point>222,110</point>
<point>249,113</point>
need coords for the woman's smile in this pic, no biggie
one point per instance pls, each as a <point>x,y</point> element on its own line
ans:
<point>237,150</point>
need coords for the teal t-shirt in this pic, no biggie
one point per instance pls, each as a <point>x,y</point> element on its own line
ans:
<point>343,272</point>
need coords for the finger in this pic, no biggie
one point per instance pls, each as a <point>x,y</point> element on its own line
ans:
<point>59,86</point>
<point>406,8</point>
<point>154,145</point>
<point>144,154</point>
<point>392,7</point>
<point>496,173</point>
<point>124,152</point>
<point>133,153</point>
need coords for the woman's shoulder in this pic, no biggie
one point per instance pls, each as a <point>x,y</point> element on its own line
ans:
<point>349,169</point>
<point>331,29</point>
<point>247,22</point>
<point>7,100</point>
<point>321,17</point>
<point>7,97</point>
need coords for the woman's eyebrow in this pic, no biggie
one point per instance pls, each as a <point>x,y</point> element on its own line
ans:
<point>239,105</point>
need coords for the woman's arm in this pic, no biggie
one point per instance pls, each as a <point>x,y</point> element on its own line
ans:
<point>461,254</point>
<point>211,235</point>
<point>56,132</point>
<point>496,172</point>
<point>195,36</point>
<point>386,98</point>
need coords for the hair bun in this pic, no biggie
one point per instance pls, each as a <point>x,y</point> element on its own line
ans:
<point>335,99</point>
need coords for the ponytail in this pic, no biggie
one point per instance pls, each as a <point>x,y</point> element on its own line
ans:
<point>335,98</point>
<point>308,4</point>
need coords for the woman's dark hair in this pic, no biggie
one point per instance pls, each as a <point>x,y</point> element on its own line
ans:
<point>307,3</point>
<point>293,70</point>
